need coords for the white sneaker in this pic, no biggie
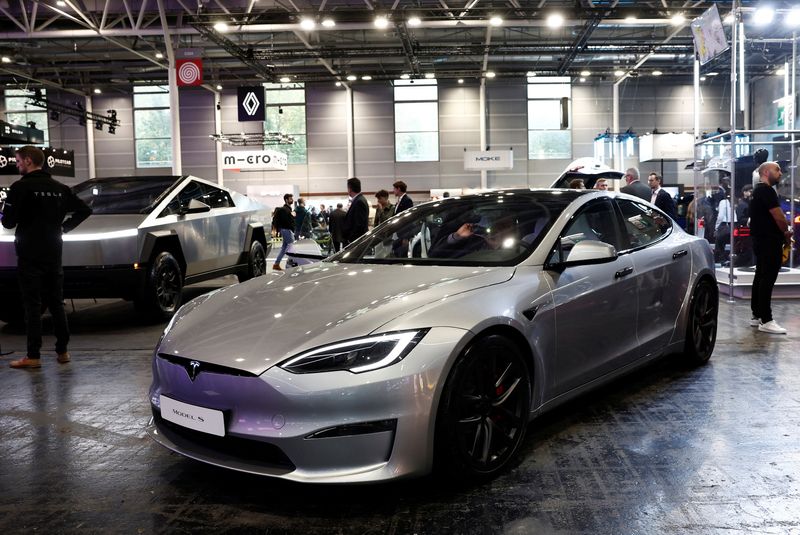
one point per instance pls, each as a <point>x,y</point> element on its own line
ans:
<point>771,327</point>
<point>755,322</point>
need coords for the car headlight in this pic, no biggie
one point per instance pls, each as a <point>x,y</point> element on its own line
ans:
<point>359,355</point>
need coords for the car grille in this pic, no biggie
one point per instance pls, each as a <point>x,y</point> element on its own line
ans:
<point>245,450</point>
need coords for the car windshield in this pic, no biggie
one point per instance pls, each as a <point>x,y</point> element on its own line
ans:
<point>123,195</point>
<point>490,229</point>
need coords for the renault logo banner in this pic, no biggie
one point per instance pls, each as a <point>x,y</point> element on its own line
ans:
<point>251,103</point>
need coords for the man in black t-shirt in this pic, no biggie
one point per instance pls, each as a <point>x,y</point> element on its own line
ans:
<point>769,231</point>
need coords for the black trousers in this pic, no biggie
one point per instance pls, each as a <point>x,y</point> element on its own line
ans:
<point>768,263</point>
<point>43,284</point>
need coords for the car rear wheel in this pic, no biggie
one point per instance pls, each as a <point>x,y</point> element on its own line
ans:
<point>484,410</point>
<point>701,329</point>
<point>256,262</point>
<point>161,295</point>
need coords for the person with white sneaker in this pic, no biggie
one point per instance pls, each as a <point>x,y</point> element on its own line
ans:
<point>769,230</point>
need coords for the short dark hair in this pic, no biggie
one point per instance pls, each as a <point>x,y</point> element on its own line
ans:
<point>747,187</point>
<point>339,205</point>
<point>400,185</point>
<point>287,197</point>
<point>382,194</point>
<point>34,153</point>
<point>354,184</point>
<point>658,177</point>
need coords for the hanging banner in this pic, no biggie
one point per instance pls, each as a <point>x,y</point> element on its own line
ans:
<point>57,162</point>
<point>189,71</point>
<point>250,103</point>
<point>489,160</point>
<point>255,160</point>
<point>709,35</point>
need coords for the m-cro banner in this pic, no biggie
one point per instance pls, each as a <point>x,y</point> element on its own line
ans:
<point>255,160</point>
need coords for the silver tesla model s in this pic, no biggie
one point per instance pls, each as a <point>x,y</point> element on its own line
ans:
<point>433,339</point>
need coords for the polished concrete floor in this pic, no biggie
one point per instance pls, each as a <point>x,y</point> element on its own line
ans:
<point>665,450</point>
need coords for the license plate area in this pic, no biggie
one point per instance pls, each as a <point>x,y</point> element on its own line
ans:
<point>201,419</point>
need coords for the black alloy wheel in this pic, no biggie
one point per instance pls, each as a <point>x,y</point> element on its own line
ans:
<point>701,331</point>
<point>484,410</point>
<point>256,262</point>
<point>162,293</point>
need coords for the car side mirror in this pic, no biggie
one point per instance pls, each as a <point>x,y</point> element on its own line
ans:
<point>591,252</point>
<point>194,207</point>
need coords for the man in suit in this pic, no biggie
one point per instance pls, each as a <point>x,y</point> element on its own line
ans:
<point>356,222</point>
<point>404,202</point>
<point>635,186</point>
<point>336,227</point>
<point>660,197</point>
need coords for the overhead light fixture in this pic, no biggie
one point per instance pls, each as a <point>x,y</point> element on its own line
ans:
<point>414,21</point>
<point>555,20</point>
<point>352,77</point>
<point>631,19</point>
<point>54,115</point>
<point>728,18</point>
<point>338,84</point>
<point>530,74</point>
<point>219,87</point>
<point>430,75</point>
<point>366,77</point>
<point>6,59</point>
<point>112,129</point>
<point>97,91</point>
<point>460,80</point>
<point>221,27</point>
<point>496,21</point>
<point>404,76</point>
<point>307,23</point>
<point>677,19</point>
<point>713,74</point>
<point>657,73</point>
<point>781,71</point>
<point>159,55</point>
<point>618,73</point>
<point>328,22</point>
<point>582,79</point>
<point>763,16</point>
<point>490,74</point>
<point>61,3</point>
<point>381,22</point>
<point>98,126</point>
<point>585,73</point>
<point>793,18</point>
<point>285,79</point>
<point>702,78</point>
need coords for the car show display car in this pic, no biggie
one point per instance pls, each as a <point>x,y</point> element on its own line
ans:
<point>372,365</point>
<point>147,237</point>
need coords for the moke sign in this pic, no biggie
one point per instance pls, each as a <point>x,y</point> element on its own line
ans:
<point>488,160</point>
<point>255,160</point>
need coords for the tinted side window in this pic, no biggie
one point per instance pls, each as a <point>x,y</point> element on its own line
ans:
<point>216,198</point>
<point>192,190</point>
<point>643,224</point>
<point>596,221</point>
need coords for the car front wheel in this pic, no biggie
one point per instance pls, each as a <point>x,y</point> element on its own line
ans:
<point>161,295</point>
<point>484,410</point>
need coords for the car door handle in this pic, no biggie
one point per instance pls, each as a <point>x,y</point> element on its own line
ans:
<point>623,272</point>
<point>682,252</point>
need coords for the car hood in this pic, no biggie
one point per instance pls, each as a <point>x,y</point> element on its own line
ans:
<point>257,324</point>
<point>101,226</point>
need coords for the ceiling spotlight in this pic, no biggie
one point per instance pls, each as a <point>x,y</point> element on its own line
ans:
<point>307,24</point>
<point>98,126</point>
<point>219,87</point>
<point>61,3</point>
<point>285,79</point>
<point>555,20</point>
<point>328,22</point>
<point>781,71</point>
<point>763,15</point>
<point>6,59</point>
<point>414,21</point>
<point>338,84</point>
<point>221,27</point>
<point>159,55</point>
<point>728,18</point>
<point>677,19</point>
<point>631,19</point>
<point>54,115</point>
<point>582,79</point>
<point>530,74</point>
<point>702,78</point>
<point>713,74</point>
<point>366,77</point>
<point>112,129</point>
<point>381,22</point>
<point>618,73</point>
<point>430,75</point>
<point>460,80</point>
<point>352,77</point>
<point>585,73</point>
<point>97,91</point>
<point>404,77</point>
<point>490,74</point>
<point>657,73</point>
<point>496,21</point>
<point>793,18</point>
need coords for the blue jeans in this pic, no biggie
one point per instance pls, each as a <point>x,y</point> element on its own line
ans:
<point>288,237</point>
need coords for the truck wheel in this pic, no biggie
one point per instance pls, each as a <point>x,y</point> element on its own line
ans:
<point>256,262</point>
<point>161,296</point>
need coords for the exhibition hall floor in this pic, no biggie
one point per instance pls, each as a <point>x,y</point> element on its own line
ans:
<point>664,450</point>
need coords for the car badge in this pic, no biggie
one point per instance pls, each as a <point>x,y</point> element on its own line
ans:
<point>193,369</point>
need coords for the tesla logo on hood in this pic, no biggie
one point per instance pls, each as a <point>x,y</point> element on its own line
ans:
<point>193,369</point>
